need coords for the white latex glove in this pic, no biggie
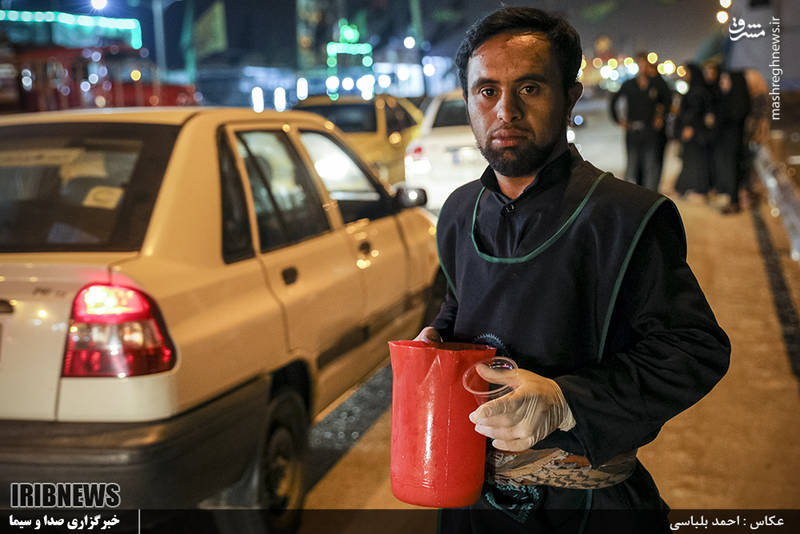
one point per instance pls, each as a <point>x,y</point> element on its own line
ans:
<point>429,335</point>
<point>520,419</point>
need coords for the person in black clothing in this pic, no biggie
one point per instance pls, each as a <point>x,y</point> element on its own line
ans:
<point>695,123</point>
<point>733,107</point>
<point>646,103</point>
<point>663,107</point>
<point>582,279</point>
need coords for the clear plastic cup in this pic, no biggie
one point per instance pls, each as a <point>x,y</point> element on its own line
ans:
<point>482,390</point>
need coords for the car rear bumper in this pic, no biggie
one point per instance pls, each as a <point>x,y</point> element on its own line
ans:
<point>172,463</point>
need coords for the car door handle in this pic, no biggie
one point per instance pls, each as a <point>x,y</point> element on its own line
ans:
<point>365,247</point>
<point>289,275</point>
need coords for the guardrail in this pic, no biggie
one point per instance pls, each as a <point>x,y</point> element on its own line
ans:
<point>782,196</point>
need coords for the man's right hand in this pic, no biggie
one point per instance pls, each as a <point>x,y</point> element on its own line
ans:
<point>429,335</point>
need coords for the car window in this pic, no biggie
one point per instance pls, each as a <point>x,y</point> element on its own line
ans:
<point>88,186</point>
<point>348,117</point>
<point>347,183</point>
<point>237,242</point>
<point>405,118</point>
<point>397,118</point>
<point>278,180</point>
<point>451,113</point>
<point>393,121</point>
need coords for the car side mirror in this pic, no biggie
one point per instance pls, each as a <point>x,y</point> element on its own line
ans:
<point>410,197</point>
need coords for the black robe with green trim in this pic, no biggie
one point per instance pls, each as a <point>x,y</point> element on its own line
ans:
<point>583,279</point>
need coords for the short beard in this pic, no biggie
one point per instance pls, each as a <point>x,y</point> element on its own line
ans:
<point>519,161</point>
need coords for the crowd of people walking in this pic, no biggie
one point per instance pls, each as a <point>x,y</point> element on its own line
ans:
<point>709,120</point>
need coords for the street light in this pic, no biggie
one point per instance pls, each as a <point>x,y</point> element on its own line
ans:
<point>99,4</point>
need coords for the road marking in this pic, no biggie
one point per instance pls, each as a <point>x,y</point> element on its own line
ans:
<point>787,314</point>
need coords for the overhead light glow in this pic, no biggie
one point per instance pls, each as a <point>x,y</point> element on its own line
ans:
<point>681,71</point>
<point>682,86</point>
<point>429,70</point>
<point>279,98</point>
<point>613,63</point>
<point>348,84</point>
<point>597,62</point>
<point>402,73</point>
<point>136,75</point>
<point>302,88</point>
<point>99,4</point>
<point>722,17</point>
<point>652,57</point>
<point>366,82</point>
<point>257,99</point>
<point>384,81</point>
<point>409,42</point>
<point>131,27</point>
<point>724,4</point>
<point>332,83</point>
<point>669,67</point>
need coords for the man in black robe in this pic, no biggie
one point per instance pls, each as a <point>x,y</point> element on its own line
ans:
<point>579,277</point>
<point>646,97</point>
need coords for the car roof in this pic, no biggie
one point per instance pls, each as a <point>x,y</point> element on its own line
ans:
<point>321,100</point>
<point>152,115</point>
<point>451,95</point>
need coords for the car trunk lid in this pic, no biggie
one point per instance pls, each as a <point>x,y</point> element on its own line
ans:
<point>36,296</point>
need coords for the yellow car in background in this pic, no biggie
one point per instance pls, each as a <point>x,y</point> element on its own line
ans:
<point>379,129</point>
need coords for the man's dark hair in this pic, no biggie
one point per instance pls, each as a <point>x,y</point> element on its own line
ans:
<point>564,40</point>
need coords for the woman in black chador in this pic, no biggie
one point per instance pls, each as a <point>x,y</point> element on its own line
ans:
<point>695,120</point>
<point>733,107</point>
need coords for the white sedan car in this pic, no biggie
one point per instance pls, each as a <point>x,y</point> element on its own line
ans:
<point>444,156</point>
<point>182,290</point>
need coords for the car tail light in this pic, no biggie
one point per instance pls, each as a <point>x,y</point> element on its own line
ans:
<point>416,162</point>
<point>416,152</point>
<point>115,331</point>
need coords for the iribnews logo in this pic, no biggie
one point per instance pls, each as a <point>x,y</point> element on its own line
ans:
<point>65,495</point>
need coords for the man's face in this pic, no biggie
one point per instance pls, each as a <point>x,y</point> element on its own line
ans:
<point>643,64</point>
<point>516,102</point>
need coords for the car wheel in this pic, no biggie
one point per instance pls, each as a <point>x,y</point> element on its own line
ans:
<point>281,467</point>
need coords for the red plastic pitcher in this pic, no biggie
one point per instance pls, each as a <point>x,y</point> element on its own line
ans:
<point>437,457</point>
